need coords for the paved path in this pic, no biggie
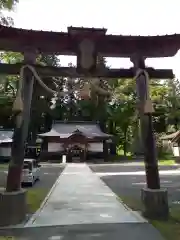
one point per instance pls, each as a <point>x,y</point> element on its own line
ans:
<point>80,197</point>
<point>82,207</point>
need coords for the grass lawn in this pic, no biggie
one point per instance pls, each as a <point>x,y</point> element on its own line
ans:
<point>35,197</point>
<point>4,165</point>
<point>170,229</point>
<point>161,162</point>
<point>167,159</point>
<point>167,162</point>
<point>8,238</point>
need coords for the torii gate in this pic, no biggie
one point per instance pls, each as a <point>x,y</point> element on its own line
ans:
<point>87,44</point>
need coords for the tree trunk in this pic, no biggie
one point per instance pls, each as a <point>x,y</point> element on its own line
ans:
<point>125,142</point>
<point>111,127</point>
<point>48,122</point>
<point>176,124</point>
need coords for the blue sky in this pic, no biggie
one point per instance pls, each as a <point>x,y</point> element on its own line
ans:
<point>129,17</point>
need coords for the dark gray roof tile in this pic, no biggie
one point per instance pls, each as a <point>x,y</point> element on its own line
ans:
<point>64,130</point>
<point>89,130</point>
<point>6,136</point>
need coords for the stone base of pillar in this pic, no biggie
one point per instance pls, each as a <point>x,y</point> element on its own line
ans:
<point>13,207</point>
<point>155,203</point>
<point>177,160</point>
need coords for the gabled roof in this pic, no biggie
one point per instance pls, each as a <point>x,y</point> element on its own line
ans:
<point>88,129</point>
<point>51,133</point>
<point>79,133</point>
<point>6,136</point>
<point>65,130</point>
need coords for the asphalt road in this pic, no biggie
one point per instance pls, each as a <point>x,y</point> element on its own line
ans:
<point>105,231</point>
<point>123,167</point>
<point>125,181</point>
<point>49,174</point>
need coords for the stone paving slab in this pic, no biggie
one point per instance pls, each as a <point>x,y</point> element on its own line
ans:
<point>81,197</point>
<point>120,231</point>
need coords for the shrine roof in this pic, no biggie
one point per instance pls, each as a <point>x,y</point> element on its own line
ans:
<point>51,133</point>
<point>65,130</point>
<point>6,136</point>
<point>88,129</point>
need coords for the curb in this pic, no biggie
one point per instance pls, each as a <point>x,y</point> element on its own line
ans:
<point>136,213</point>
<point>36,214</point>
<point>134,164</point>
<point>53,164</point>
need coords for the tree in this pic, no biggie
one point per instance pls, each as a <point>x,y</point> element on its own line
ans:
<point>41,117</point>
<point>123,110</point>
<point>116,112</point>
<point>7,5</point>
<point>173,103</point>
<point>100,99</point>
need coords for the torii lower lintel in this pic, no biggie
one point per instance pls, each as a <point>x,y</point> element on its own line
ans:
<point>47,71</point>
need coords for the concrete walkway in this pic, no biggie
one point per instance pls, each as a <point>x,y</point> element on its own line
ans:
<point>81,197</point>
<point>81,205</point>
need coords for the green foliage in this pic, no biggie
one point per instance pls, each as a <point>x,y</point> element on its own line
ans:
<point>117,115</point>
<point>8,89</point>
<point>169,229</point>
<point>35,198</point>
<point>11,57</point>
<point>123,111</point>
<point>8,4</point>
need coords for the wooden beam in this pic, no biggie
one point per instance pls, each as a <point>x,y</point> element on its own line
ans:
<point>64,43</point>
<point>47,71</point>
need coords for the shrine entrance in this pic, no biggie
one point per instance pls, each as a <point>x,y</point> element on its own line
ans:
<point>76,150</point>
<point>88,44</point>
<point>76,153</point>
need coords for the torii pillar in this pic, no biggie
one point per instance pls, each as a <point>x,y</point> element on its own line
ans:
<point>13,206</point>
<point>154,198</point>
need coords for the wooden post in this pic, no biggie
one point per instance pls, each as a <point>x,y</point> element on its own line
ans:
<point>147,136</point>
<point>21,130</point>
<point>86,56</point>
<point>155,200</point>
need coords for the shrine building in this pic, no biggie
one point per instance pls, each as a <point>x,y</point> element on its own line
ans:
<point>76,140</point>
